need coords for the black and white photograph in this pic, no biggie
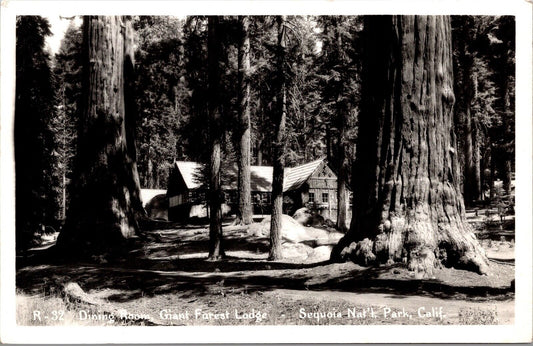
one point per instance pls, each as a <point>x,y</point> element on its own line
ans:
<point>260,174</point>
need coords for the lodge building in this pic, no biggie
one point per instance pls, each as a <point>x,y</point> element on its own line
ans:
<point>312,184</point>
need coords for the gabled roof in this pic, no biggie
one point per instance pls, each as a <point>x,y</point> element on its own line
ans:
<point>189,171</point>
<point>296,176</point>
<point>260,176</point>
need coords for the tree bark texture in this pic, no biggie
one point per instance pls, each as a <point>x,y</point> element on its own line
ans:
<point>105,205</point>
<point>245,199</point>
<point>216,196</point>
<point>278,147</point>
<point>407,201</point>
<point>471,183</point>
<point>508,149</point>
<point>342,121</point>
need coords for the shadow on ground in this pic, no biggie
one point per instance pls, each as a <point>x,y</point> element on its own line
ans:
<point>175,261</point>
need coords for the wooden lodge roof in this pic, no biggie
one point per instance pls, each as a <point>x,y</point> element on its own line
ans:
<point>260,176</point>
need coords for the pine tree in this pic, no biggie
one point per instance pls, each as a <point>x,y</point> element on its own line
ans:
<point>216,249</point>
<point>244,189</point>
<point>160,60</point>
<point>279,144</point>
<point>340,70</point>
<point>67,69</point>
<point>34,140</point>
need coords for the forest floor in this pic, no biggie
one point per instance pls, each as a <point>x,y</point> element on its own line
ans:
<point>168,280</point>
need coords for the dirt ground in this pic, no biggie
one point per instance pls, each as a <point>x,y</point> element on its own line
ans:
<point>168,280</point>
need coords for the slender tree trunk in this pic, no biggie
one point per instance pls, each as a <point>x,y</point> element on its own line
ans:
<point>63,195</point>
<point>260,152</point>
<point>476,163</point>
<point>342,121</point>
<point>150,172</point>
<point>329,156</point>
<point>216,250</point>
<point>342,193</point>
<point>105,205</point>
<point>468,187</point>
<point>244,214</point>
<point>471,184</point>
<point>485,159</point>
<point>508,149</point>
<point>492,173</point>
<point>278,148</point>
<point>507,175</point>
<point>407,201</point>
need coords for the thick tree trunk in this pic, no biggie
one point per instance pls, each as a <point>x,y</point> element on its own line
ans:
<point>407,200</point>
<point>278,148</point>
<point>244,214</point>
<point>105,205</point>
<point>216,250</point>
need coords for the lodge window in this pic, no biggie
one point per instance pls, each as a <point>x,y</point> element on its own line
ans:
<point>325,198</point>
<point>311,197</point>
<point>261,197</point>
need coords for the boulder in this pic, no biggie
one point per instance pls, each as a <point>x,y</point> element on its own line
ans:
<point>302,216</point>
<point>157,207</point>
<point>291,230</point>
<point>319,254</point>
<point>296,251</point>
<point>306,217</point>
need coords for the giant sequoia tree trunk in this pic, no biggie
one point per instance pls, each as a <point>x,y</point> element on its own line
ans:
<point>245,199</point>
<point>216,250</point>
<point>407,201</point>
<point>105,203</point>
<point>278,148</point>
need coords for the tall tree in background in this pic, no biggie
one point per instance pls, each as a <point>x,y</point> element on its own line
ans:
<point>339,71</point>
<point>244,126</point>
<point>34,107</point>
<point>343,119</point>
<point>105,203</point>
<point>483,67</point>
<point>475,101</point>
<point>504,65</point>
<point>161,99</point>
<point>68,71</point>
<point>214,53</point>
<point>466,81</point>
<point>278,159</point>
<point>407,200</point>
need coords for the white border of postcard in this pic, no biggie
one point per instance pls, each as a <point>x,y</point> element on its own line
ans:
<point>521,331</point>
